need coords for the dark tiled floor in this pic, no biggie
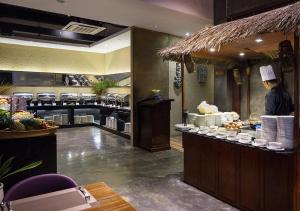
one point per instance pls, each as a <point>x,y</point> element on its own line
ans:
<point>149,181</point>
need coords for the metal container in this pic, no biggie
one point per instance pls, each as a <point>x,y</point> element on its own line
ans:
<point>46,97</point>
<point>87,98</point>
<point>24,95</point>
<point>69,97</point>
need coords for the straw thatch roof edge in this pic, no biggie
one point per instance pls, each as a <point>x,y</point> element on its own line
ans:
<point>285,19</point>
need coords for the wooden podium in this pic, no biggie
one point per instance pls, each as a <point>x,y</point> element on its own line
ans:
<point>154,124</point>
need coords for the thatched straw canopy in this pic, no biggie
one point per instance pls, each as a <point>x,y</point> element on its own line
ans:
<point>284,20</point>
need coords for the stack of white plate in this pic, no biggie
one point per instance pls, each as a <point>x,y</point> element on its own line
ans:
<point>269,128</point>
<point>218,119</point>
<point>83,119</point>
<point>77,120</point>
<point>200,120</point>
<point>192,117</point>
<point>57,119</point>
<point>244,138</point>
<point>285,131</point>
<point>127,127</point>
<point>210,120</point>
<point>65,119</point>
<point>232,136</point>
<point>228,116</point>
<point>90,118</point>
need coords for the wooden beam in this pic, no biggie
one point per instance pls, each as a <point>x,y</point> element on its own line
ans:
<point>296,122</point>
<point>248,73</point>
<point>296,88</point>
<point>182,91</point>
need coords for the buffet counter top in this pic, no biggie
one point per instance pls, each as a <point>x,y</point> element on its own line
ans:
<point>213,138</point>
<point>59,107</point>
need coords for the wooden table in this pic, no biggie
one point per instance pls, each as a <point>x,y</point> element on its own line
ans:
<point>108,199</point>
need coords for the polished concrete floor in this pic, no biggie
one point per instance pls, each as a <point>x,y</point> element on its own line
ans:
<point>149,181</point>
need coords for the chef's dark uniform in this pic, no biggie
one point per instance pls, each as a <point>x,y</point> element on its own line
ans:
<point>278,102</point>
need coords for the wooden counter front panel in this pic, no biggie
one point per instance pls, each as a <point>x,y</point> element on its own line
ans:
<point>278,193</point>
<point>192,160</point>
<point>250,179</point>
<point>246,177</point>
<point>227,169</point>
<point>208,173</point>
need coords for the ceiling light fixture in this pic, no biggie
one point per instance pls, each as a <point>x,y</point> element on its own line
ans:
<point>242,54</point>
<point>212,50</point>
<point>258,40</point>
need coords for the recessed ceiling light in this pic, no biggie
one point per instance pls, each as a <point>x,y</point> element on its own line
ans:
<point>258,40</point>
<point>242,54</point>
<point>212,50</point>
<point>187,34</point>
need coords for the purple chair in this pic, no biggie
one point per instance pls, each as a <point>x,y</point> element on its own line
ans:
<point>39,184</point>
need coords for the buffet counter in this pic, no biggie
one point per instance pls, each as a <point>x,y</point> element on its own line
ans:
<point>99,112</point>
<point>247,177</point>
<point>28,150</point>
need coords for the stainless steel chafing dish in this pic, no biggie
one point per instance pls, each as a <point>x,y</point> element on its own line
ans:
<point>46,97</point>
<point>69,97</point>
<point>123,99</point>
<point>87,97</point>
<point>24,95</point>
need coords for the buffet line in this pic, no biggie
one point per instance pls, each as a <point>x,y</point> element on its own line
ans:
<point>111,111</point>
<point>266,132</point>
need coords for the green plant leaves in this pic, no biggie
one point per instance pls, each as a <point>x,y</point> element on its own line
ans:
<point>30,166</point>
<point>5,168</point>
<point>101,86</point>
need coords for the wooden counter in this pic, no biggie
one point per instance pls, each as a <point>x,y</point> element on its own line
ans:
<point>28,150</point>
<point>107,198</point>
<point>246,177</point>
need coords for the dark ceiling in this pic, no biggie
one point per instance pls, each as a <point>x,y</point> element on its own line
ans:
<point>21,22</point>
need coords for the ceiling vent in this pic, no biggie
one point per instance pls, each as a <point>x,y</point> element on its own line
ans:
<point>83,28</point>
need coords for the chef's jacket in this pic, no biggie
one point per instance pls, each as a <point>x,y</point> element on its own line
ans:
<point>278,102</point>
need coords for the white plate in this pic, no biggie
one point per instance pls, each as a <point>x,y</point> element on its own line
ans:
<point>194,130</point>
<point>258,145</point>
<point>243,141</point>
<point>202,132</point>
<point>232,138</point>
<point>211,134</point>
<point>275,149</point>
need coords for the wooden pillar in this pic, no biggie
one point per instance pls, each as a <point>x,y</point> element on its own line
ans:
<point>248,73</point>
<point>296,88</point>
<point>182,90</point>
<point>296,191</point>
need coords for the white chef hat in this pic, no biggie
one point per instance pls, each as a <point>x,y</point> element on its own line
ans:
<point>267,73</point>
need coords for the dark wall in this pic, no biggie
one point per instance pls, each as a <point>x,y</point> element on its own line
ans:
<point>149,71</point>
<point>226,10</point>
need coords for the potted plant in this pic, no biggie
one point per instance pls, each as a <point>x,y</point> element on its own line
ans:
<point>100,87</point>
<point>6,171</point>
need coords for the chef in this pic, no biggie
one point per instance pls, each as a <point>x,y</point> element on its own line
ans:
<point>278,101</point>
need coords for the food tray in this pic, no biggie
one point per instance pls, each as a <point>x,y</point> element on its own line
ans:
<point>26,134</point>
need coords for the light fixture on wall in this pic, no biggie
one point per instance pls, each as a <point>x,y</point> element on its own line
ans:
<point>258,40</point>
<point>187,34</point>
<point>242,54</point>
<point>212,50</point>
